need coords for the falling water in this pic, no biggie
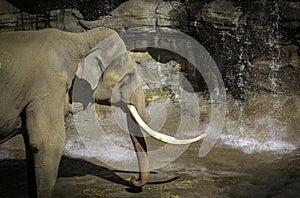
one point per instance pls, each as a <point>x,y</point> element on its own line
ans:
<point>257,124</point>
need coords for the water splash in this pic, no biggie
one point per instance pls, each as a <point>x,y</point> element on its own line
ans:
<point>251,145</point>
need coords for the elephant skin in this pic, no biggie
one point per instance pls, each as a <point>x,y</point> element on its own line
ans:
<point>37,69</point>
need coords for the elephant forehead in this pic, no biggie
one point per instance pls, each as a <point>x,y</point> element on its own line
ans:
<point>119,68</point>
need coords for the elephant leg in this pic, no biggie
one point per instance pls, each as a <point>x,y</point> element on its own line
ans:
<point>44,137</point>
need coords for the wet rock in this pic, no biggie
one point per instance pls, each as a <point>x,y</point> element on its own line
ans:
<point>142,57</point>
<point>8,16</point>
<point>166,13</point>
<point>130,14</point>
<point>290,10</point>
<point>156,75</point>
<point>288,55</point>
<point>134,13</point>
<point>136,8</point>
<point>243,35</point>
<point>278,72</point>
<point>222,14</point>
<point>67,20</point>
<point>12,19</point>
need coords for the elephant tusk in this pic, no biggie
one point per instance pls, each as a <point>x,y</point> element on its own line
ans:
<point>157,135</point>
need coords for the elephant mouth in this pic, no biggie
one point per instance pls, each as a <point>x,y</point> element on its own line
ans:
<point>159,136</point>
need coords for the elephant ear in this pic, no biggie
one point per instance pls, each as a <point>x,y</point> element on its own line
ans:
<point>99,57</point>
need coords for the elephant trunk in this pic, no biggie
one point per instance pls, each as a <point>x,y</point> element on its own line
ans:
<point>138,140</point>
<point>143,162</point>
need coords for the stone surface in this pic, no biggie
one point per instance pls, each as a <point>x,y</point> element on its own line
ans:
<point>222,14</point>
<point>158,75</point>
<point>67,20</point>
<point>166,13</point>
<point>8,16</point>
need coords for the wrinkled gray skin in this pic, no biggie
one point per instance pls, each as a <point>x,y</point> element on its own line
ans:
<point>37,69</point>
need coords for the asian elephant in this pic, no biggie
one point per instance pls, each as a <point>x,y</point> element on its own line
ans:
<point>37,69</point>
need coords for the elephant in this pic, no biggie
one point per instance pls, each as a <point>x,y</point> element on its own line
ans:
<point>37,72</point>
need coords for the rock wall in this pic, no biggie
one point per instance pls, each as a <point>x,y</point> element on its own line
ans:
<point>255,43</point>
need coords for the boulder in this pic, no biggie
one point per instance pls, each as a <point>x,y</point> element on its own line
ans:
<point>67,20</point>
<point>8,16</point>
